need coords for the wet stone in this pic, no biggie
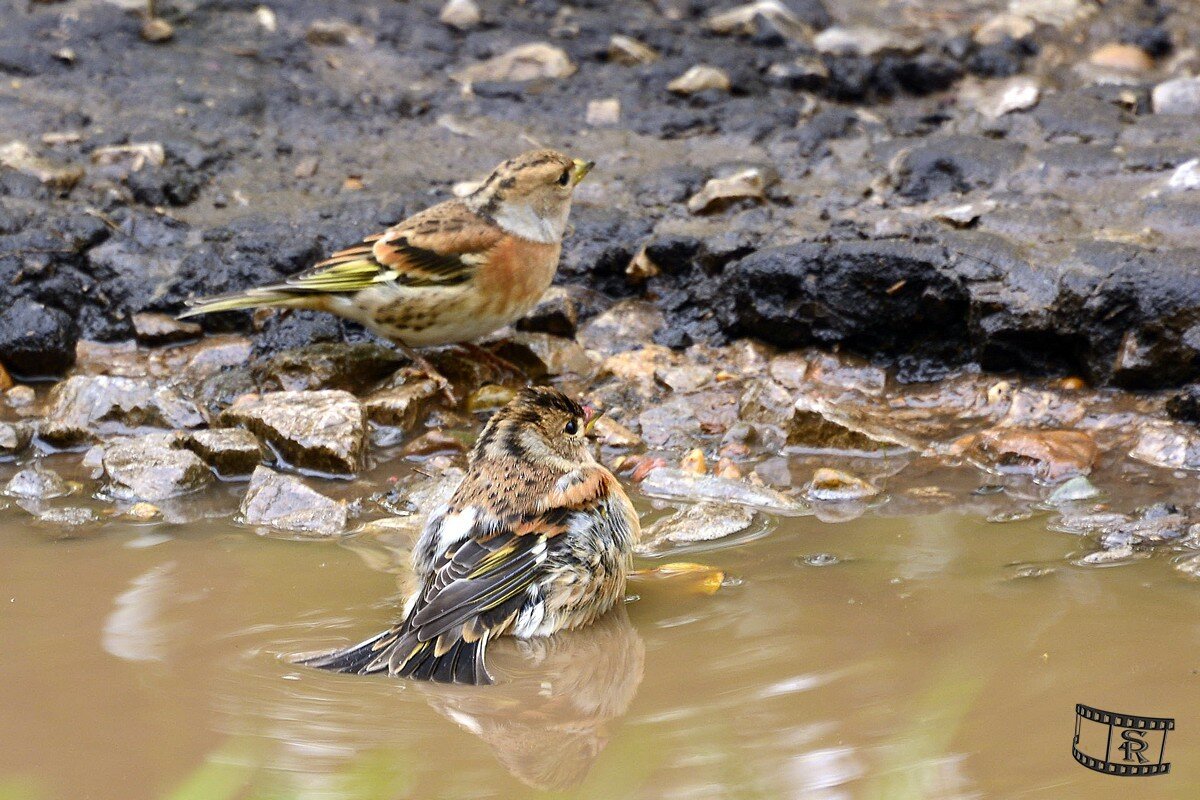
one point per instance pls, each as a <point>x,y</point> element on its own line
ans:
<point>1169,445</point>
<point>1051,455</point>
<point>88,408</point>
<point>626,326</point>
<point>153,468</point>
<point>702,522</point>
<point>231,452</point>
<point>612,433</point>
<point>401,406</point>
<point>323,432</point>
<point>675,484</point>
<point>1185,404</point>
<point>556,313</point>
<point>542,354</point>
<point>37,341</point>
<point>1017,94</point>
<point>1075,490</point>
<point>671,425</point>
<point>328,365</point>
<point>749,19</point>
<point>155,330</point>
<point>14,438</point>
<point>835,486</point>
<point>37,483</point>
<point>68,521</point>
<point>285,503</point>
<point>815,426</point>
<point>749,183</point>
<point>1177,96</point>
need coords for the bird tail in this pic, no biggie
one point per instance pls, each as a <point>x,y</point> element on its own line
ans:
<point>252,298</point>
<point>400,653</point>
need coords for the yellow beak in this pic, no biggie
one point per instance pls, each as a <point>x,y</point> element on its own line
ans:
<point>592,415</point>
<point>580,170</point>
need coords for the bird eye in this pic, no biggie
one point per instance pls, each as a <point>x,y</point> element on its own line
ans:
<point>572,427</point>
<point>565,178</point>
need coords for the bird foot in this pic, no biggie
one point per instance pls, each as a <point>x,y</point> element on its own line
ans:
<point>431,372</point>
<point>497,363</point>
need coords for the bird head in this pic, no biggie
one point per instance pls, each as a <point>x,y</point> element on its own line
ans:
<point>540,425</point>
<point>530,195</point>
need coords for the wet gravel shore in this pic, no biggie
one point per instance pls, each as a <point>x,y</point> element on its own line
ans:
<point>1012,185</point>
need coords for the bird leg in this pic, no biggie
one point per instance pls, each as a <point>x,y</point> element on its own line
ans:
<point>431,372</point>
<point>497,363</point>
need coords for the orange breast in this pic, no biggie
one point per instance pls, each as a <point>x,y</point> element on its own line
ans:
<point>517,272</point>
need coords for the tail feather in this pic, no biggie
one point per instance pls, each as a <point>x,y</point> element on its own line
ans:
<point>401,654</point>
<point>253,298</point>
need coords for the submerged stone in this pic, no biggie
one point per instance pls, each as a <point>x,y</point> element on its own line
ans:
<point>153,468</point>
<point>1052,455</point>
<point>702,522</point>
<point>37,483</point>
<point>675,484</point>
<point>835,486</point>
<point>285,503</point>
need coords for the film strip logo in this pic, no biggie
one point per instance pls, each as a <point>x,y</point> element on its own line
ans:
<point>1121,744</point>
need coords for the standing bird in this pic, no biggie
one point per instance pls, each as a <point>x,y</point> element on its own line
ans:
<point>538,538</point>
<point>449,274</point>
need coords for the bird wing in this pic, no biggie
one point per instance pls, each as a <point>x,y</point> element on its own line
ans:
<point>478,586</point>
<point>441,246</point>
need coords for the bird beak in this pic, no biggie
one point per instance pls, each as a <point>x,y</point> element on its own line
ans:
<point>580,170</point>
<point>591,415</point>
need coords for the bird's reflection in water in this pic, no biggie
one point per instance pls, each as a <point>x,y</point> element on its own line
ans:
<point>547,717</point>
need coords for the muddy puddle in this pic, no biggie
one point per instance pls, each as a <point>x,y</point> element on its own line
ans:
<point>890,653</point>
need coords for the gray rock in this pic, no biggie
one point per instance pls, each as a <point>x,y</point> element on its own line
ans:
<point>671,425</point>
<point>556,313</point>
<point>542,354</point>
<point>626,326</point>
<point>37,483</point>
<point>328,365</point>
<point>89,408</point>
<point>702,522</point>
<point>1169,445</point>
<point>1177,96</point>
<point>231,452</point>
<point>37,341</point>
<point>675,484</point>
<point>817,425</point>
<point>14,437</point>
<point>283,502</point>
<point>401,406</point>
<point>324,432</point>
<point>1074,490</point>
<point>153,468</point>
<point>67,521</point>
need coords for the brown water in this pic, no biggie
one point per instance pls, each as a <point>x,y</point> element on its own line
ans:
<point>147,661</point>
